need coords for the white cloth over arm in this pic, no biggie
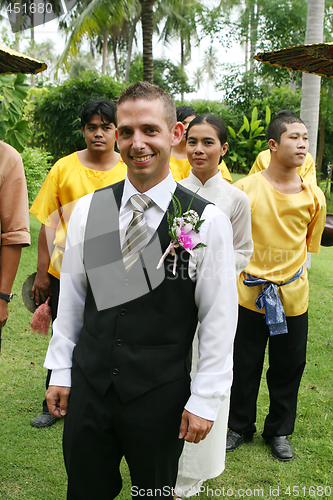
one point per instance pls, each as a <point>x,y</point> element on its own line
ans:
<point>73,284</point>
<point>216,298</point>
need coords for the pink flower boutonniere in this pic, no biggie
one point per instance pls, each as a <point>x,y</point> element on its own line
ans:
<point>183,231</point>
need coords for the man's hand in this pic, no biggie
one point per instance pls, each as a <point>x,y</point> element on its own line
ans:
<point>41,289</point>
<point>193,428</point>
<point>3,312</point>
<point>57,399</point>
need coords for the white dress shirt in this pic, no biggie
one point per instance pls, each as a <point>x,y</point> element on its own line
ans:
<point>232,202</point>
<point>211,267</point>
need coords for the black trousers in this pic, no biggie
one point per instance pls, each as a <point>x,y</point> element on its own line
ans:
<point>287,357</point>
<point>99,431</point>
<point>55,288</point>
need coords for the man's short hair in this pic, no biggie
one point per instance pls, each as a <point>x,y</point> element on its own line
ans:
<point>278,124</point>
<point>105,109</point>
<point>150,92</point>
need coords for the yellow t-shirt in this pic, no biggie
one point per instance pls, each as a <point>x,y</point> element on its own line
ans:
<point>184,166</point>
<point>284,227</point>
<point>67,181</point>
<point>306,171</point>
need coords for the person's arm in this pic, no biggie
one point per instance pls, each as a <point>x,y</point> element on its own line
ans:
<point>242,232</point>
<point>67,326</point>
<point>10,259</point>
<point>216,298</point>
<point>41,288</point>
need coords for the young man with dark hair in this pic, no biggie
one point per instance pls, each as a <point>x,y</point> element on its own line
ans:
<point>288,217</point>
<point>128,310</point>
<point>308,168</point>
<point>69,179</point>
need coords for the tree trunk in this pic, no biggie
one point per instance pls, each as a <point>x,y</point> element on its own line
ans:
<point>130,46</point>
<point>105,51</point>
<point>311,83</point>
<point>322,126</point>
<point>147,37</point>
<point>115,56</point>
<point>182,61</point>
<point>254,13</point>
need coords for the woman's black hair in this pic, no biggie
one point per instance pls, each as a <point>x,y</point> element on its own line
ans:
<point>183,112</point>
<point>215,122</point>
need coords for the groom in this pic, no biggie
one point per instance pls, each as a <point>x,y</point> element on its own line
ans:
<point>121,343</point>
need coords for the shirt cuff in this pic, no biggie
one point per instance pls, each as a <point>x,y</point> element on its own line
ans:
<point>207,408</point>
<point>61,377</point>
<point>21,237</point>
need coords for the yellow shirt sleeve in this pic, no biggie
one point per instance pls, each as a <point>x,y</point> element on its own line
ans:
<point>179,167</point>
<point>66,183</point>
<point>225,171</point>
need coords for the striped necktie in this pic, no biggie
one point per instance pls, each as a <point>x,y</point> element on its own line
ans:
<point>136,233</point>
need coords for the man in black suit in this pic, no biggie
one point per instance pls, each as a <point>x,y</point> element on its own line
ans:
<point>120,351</point>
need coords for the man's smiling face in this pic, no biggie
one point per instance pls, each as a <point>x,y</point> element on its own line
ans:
<point>145,140</point>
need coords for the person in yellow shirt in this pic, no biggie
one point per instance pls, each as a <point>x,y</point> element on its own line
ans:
<point>307,170</point>
<point>178,159</point>
<point>288,216</point>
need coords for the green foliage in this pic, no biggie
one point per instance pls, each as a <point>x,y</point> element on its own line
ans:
<point>280,98</point>
<point>167,75</point>
<point>56,111</point>
<point>37,164</point>
<point>201,106</point>
<point>247,143</point>
<point>13,128</point>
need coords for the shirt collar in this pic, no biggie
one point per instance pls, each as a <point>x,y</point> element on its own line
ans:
<point>211,182</point>
<point>159,194</point>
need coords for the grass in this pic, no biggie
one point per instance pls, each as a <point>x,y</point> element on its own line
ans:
<point>31,464</point>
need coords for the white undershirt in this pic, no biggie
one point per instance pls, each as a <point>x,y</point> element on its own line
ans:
<point>213,269</point>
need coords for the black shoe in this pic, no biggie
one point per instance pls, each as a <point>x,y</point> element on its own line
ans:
<point>281,448</point>
<point>234,440</point>
<point>44,419</point>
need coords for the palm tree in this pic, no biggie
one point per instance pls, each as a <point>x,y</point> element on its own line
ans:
<point>209,66</point>
<point>180,22</point>
<point>97,18</point>
<point>311,83</point>
<point>147,23</point>
<point>198,78</point>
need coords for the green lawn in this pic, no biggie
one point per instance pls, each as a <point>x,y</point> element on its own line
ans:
<point>31,465</point>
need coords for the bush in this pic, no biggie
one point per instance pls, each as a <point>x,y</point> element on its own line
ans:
<point>13,128</point>
<point>56,110</point>
<point>37,164</point>
<point>248,142</point>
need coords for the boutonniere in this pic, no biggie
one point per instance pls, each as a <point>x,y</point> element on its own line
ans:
<point>183,231</point>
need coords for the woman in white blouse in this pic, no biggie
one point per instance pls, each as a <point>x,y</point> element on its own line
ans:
<point>206,144</point>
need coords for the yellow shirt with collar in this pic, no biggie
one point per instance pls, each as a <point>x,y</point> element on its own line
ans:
<point>67,181</point>
<point>307,170</point>
<point>284,228</point>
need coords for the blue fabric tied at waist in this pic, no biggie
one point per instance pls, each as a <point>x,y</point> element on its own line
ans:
<point>269,299</point>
